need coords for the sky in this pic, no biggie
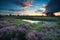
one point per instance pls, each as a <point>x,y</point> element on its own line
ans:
<point>18,4</point>
<point>53,6</point>
<point>28,6</point>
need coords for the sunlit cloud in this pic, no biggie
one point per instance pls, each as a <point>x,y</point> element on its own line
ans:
<point>43,9</point>
<point>44,5</point>
<point>57,13</point>
<point>25,3</point>
<point>23,13</point>
<point>17,6</point>
<point>29,13</point>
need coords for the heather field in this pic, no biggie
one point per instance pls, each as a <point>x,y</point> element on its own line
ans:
<point>23,29</point>
<point>29,19</point>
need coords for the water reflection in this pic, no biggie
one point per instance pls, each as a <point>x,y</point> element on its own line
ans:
<point>43,22</point>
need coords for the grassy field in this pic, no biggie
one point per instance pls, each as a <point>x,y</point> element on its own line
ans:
<point>46,18</point>
<point>12,28</point>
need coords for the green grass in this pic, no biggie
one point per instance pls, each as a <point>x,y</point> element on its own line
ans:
<point>35,26</point>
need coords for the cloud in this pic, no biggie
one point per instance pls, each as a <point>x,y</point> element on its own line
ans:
<point>44,5</point>
<point>25,4</point>
<point>53,6</point>
<point>43,9</point>
<point>23,12</point>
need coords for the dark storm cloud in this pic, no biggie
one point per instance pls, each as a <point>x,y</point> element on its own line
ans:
<point>53,6</point>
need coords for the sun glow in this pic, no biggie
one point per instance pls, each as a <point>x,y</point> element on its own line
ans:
<point>57,13</point>
<point>29,13</point>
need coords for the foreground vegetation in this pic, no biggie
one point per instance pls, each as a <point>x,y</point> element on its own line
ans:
<point>16,29</point>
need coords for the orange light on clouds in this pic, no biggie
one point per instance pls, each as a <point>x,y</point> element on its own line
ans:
<point>30,13</point>
<point>57,13</point>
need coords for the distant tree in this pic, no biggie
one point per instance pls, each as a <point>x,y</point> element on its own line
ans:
<point>10,15</point>
<point>50,14</point>
<point>17,15</point>
<point>0,16</point>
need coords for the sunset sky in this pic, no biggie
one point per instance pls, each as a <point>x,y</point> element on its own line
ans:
<point>9,6</point>
<point>21,6</point>
<point>17,4</point>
